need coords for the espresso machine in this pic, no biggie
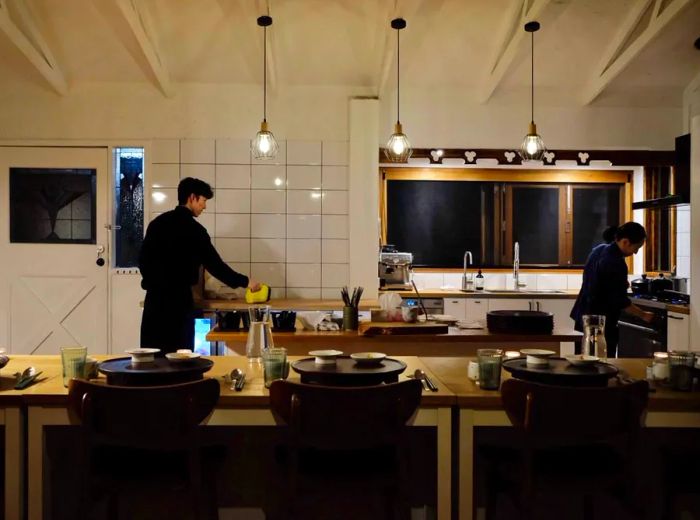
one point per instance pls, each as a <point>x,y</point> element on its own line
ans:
<point>395,268</point>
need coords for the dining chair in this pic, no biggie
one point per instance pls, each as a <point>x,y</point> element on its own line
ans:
<point>141,436</point>
<point>351,438</point>
<point>570,441</point>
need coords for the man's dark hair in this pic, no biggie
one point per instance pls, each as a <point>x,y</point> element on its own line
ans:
<point>632,231</point>
<point>191,186</point>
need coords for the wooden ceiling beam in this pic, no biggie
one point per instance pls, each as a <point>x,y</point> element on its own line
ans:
<point>34,47</point>
<point>615,59</point>
<point>512,34</point>
<point>139,22</point>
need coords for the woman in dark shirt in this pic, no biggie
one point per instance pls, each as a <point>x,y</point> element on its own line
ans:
<point>604,287</point>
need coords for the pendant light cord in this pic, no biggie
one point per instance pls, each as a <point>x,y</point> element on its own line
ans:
<point>265,73</point>
<point>532,77</point>
<point>398,79</point>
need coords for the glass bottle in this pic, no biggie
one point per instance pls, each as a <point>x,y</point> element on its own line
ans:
<point>479,281</point>
<point>594,343</point>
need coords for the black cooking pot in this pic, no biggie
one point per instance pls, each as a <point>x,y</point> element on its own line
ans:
<point>660,284</point>
<point>641,285</point>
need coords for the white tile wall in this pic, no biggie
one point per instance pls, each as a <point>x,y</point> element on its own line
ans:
<point>268,219</point>
<point>683,242</point>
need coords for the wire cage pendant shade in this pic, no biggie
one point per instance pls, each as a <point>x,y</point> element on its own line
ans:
<point>398,148</point>
<point>264,144</point>
<point>532,147</point>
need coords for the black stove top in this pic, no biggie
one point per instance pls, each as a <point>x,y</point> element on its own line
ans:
<point>674,297</point>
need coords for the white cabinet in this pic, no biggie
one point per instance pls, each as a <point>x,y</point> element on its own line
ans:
<point>456,307</point>
<point>560,308</point>
<point>678,331</point>
<point>477,309</point>
<point>510,304</point>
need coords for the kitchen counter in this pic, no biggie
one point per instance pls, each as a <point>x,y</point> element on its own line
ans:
<point>296,304</point>
<point>672,307</point>
<point>495,293</point>
<point>457,342</point>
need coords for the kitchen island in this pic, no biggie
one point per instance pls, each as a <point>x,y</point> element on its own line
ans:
<point>457,342</point>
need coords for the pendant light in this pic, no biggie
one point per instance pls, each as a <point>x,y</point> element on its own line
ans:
<point>398,149</point>
<point>532,148</point>
<point>264,146</point>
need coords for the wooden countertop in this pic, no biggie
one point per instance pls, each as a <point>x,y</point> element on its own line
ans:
<point>283,304</point>
<point>493,293</point>
<point>448,373</point>
<point>454,335</point>
<point>452,372</point>
<point>50,391</point>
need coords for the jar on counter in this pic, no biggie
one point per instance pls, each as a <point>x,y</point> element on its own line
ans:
<point>660,366</point>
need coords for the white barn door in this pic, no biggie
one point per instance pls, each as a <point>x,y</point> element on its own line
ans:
<point>54,294</point>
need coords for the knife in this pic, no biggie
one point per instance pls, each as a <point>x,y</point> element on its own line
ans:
<point>430,384</point>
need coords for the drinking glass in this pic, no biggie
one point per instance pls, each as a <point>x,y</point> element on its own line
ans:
<point>259,313</point>
<point>274,365</point>
<point>73,362</point>
<point>680,370</point>
<point>490,360</point>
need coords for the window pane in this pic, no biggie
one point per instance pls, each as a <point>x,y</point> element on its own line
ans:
<point>594,209</point>
<point>437,221</point>
<point>128,219</point>
<point>536,224</point>
<point>54,205</point>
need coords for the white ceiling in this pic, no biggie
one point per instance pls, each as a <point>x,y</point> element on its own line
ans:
<point>448,43</point>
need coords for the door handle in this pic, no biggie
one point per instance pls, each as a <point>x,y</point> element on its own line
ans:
<point>529,306</point>
<point>538,305</point>
<point>100,251</point>
<point>636,327</point>
<point>674,317</point>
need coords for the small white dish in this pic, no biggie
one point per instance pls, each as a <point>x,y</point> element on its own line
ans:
<point>181,356</point>
<point>537,356</point>
<point>325,357</point>
<point>142,355</point>
<point>581,360</point>
<point>368,358</point>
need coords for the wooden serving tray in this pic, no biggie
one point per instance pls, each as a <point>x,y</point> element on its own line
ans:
<point>384,328</point>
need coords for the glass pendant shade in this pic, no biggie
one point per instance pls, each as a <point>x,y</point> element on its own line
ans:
<point>532,148</point>
<point>264,145</point>
<point>398,148</point>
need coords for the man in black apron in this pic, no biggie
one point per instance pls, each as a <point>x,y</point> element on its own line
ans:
<point>174,249</point>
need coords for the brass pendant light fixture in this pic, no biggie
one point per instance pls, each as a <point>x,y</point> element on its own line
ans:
<point>264,145</point>
<point>533,148</point>
<point>398,149</point>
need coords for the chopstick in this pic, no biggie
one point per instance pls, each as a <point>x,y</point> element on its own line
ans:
<point>354,299</point>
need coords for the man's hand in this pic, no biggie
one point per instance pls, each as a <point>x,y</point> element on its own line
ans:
<point>254,286</point>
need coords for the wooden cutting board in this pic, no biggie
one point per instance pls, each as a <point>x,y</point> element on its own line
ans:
<point>381,328</point>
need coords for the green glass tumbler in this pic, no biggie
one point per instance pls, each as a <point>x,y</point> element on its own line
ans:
<point>275,365</point>
<point>73,363</point>
<point>490,360</point>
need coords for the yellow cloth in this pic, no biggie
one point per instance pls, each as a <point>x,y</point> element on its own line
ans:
<point>260,296</point>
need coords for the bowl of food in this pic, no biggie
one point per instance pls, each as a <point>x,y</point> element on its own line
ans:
<point>143,355</point>
<point>537,356</point>
<point>182,356</point>
<point>368,358</point>
<point>325,357</point>
<point>580,360</point>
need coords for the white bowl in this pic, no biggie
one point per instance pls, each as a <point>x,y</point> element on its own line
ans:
<point>142,355</point>
<point>325,357</point>
<point>537,356</point>
<point>368,358</point>
<point>181,356</point>
<point>581,360</point>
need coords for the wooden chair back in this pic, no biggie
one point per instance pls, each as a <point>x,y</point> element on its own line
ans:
<point>327,417</point>
<point>156,417</point>
<point>570,414</point>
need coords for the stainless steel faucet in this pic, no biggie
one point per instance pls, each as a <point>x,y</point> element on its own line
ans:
<point>516,267</point>
<point>467,280</point>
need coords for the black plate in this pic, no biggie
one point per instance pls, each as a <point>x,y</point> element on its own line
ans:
<point>345,372</point>
<point>121,371</point>
<point>561,372</point>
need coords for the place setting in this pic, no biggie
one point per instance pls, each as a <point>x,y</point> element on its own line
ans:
<point>333,367</point>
